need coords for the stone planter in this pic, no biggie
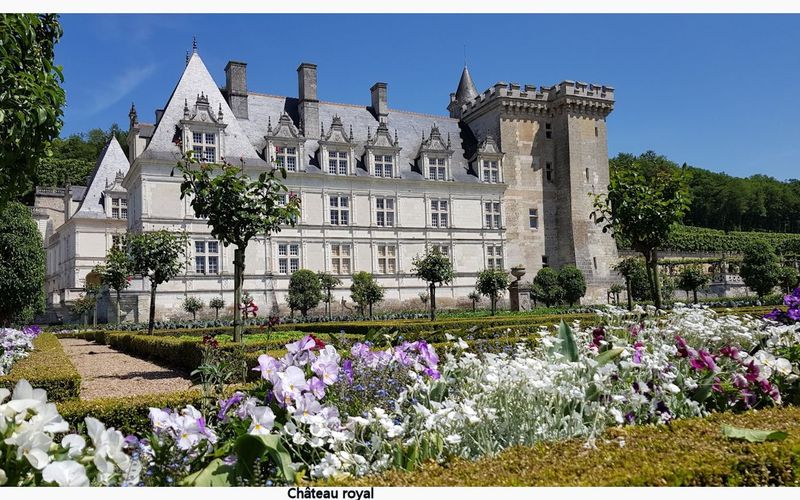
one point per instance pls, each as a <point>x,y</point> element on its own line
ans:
<point>518,272</point>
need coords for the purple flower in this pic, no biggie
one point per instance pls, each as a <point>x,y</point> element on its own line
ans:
<point>347,369</point>
<point>227,404</point>
<point>775,315</point>
<point>269,367</point>
<point>683,349</point>
<point>794,314</point>
<point>740,381</point>
<point>317,387</point>
<point>598,335</point>
<point>637,352</point>
<point>630,417</point>
<point>730,351</point>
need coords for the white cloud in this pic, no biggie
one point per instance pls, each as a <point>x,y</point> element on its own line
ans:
<point>114,90</point>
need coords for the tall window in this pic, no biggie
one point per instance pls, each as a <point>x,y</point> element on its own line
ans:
<point>116,241</point>
<point>384,165</point>
<point>548,171</point>
<point>384,212</point>
<point>340,210</point>
<point>494,257</point>
<point>119,208</point>
<point>443,249</point>
<point>288,257</point>
<point>286,156</point>
<point>204,146</point>
<point>548,130</point>
<point>340,259</point>
<point>491,213</point>
<point>387,259</point>
<point>436,169</point>
<point>439,213</point>
<point>206,257</point>
<point>533,218</point>
<point>337,162</point>
<point>491,171</point>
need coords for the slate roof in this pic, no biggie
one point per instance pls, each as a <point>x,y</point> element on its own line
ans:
<point>245,138</point>
<point>111,161</point>
<point>466,88</point>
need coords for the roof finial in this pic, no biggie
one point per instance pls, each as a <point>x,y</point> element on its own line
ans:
<point>132,113</point>
<point>448,140</point>
<point>321,129</point>
<point>194,44</point>
<point>186,109</point>
<point>465,55</point>
<point>395,137</point>
<point>351,131</point>
<point>269,125</point>
<point>187,57</point>
<point>369,134</point>
<point>219,114</point>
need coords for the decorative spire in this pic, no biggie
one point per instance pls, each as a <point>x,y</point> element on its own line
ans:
<point>351,131</point>
<point>466,88</point>
<point>186,109</point>
<point>132,114</point>
<point>269,125</point>
<point>369,134</point>
<point>395,137</point>
<point>448,140</point>
<point>219,114</point>
<point>194,44</point>
<point>187,57</point>
<point>321,129</point>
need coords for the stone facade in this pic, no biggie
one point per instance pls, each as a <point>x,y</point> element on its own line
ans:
<point>377,186</point>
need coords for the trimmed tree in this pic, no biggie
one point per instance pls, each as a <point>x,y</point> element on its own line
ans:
<point>627,268</point>
<point>647,197</point>
<point>690,279</point>
<point>192,305</point>
<point>216,304</point>
<point>475,297</point>
<point>545,287</point>
<point>365,291</point>
<point>327,283</point>
<point>116,273</point>
<point>615,290</point>
<point>760,270</point>
<point>22,265</point>
<point>788,278</point>
<point>304,291</point>
<point>238,209</point>
<point>572,282</point>
<point>492,283</point>
<point>158,256</point>
<point>31,99</point>
<point>436,269</point>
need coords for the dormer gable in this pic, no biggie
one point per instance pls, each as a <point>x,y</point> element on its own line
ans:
<point>285,145</point>
<point>487,162</point>
<point>435,155</point>
<point>337,149</point>
<point>202,129</point>
<point>382,152</point>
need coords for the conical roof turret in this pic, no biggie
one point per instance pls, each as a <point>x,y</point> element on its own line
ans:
<point>466,88</point>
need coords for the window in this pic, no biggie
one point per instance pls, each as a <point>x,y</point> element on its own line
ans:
<point>439,215</point>
<point>119,208</point>
<point>548,130</point>
<point>204,146</point>
<point>116,241</point>
<point>548,171</point>
<point>533,218</point>
<point>494,257</point>
<point>491,213</point>
<point>594,261</point>
<point>443,249</point>
<point>544,261</point>
<point>288,257</point>
<point>387,259</point>
<point>491,172</point>
<point>587,175</point>
<point>436,169</point>
<point>340,210</point>
<point>384,165</point>
<point>384,212</point>
<point>286,156</point>
<point>337,162</point>
<point>206,257</point>
<point>340,259</point>
<point>595,131</point>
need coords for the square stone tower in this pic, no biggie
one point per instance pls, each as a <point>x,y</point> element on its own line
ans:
<point>555,158</point>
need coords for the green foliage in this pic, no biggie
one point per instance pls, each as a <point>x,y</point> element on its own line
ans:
<point>31,97</point>
<point>691,278</point>
<point>192,305</point>
<point>572,282</point>
<point>546,288</point>
<point>22,265</point>
<point>752,435</point>
<point>365,291</point>
<point>568,346</point>
<point>788,278</point>
<point>436,269</point>
<point>697,239</point>
<point>86,303</point>
<point>117,270</point>
<point>305,291</point>
<point>760,270</point>
<point>216,304</point>
<point>47,367</point>
<point>492,283</point>
<point>690,452</point>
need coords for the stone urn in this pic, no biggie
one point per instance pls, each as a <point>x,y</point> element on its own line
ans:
<point>518,272</point>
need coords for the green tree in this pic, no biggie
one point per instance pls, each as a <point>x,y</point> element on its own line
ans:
<point>690,279</point>
<point>86,303</point>
<point>615,290</point>
<point>788,278</point>
<point>365,291</point>
<point>158,256</point>
<point>572,282</point>
<point>760,270</point>
<point>31,97</point>
<point>192,305</point>
<point>238,208</point>
<point>22,265</point>
<point>328,282</point>
<point>627,268</point>
<point>647,197</point>
<point>216,304</point>
<point>434,268</point>
<point>475,297</point>
<point>116,273</point>
<point>546,287</point>
<point>305,291</point>
<point>492,283</point>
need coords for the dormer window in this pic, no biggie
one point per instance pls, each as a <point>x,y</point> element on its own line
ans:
<point>337,162</point>
<point>119,208</point>
<point>284,145</point>
<point>488,161</point>
<point>384,166</point>
<point>202,129</point>
<point>491,173</point>
<point>434,156</point>
<point>382,152</point>
<point>337,149</point>
<point>437,169</point>
<point>204,146</point>
<point>286,157</point>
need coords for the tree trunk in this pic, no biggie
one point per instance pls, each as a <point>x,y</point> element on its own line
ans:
<point>238,272</point>
<point>118,308</point>
<point>370,310</point>
<point>473,306</point>
<point>653,263</point>
<point>216,313</point>
<point>494,305</point>
<point>695,295</point>
<point>194,316</point>
<point>630,299</point>
<point>433,301</point>
<point>151,321</point>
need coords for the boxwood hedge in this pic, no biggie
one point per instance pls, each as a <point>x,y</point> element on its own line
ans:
<point>47,367</point>
<point>690,452</point>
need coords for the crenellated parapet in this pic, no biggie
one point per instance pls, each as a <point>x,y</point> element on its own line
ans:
<point>513,98</point>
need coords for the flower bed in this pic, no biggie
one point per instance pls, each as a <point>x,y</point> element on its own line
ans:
<point>47,367</point>
<point>15,345</point>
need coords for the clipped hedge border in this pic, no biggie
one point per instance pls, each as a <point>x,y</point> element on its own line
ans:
<point>47,367</point>
<point>690,452</point>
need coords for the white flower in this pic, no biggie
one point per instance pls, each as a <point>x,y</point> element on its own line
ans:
<point>66,473</point>
<point>674,389</point>
<point>3,477</point>
<point>33,445</point>
<point>262,420</point>
<point>617,415</point>
<point>453,439</point>
<point>108,454</point>
<point>74,444</point>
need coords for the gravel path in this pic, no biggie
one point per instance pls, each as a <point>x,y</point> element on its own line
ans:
<point>106,372</point>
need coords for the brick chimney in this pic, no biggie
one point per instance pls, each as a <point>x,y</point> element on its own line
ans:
<point>380,101</point>
<point>309,104</point>
<point>236,88</point>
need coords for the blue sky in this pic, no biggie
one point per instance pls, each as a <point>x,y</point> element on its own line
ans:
<point>716,91</point>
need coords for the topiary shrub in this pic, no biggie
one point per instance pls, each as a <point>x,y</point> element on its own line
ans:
<point>47,367</point>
